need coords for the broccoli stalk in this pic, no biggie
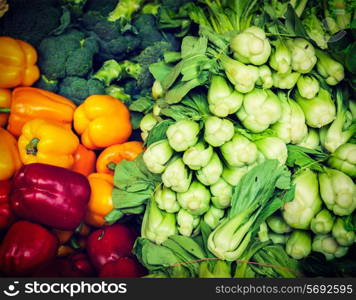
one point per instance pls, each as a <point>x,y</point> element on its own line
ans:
<point>124,10</point>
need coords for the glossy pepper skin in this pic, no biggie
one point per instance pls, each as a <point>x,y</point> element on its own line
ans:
<point>28,103</point>
<point>5,102</point>
<point>109,243</point>
<point>84,161</point>
<point>47,142</point>
<point>112,155</point>
<point>100,203</point>
<point>102,121</point>
<point>10,160</point>
<point>6,215</point>
<point>123,267</point>
<point>73,265</point>
<point>17,63</point>
<point>50,195</point>
<point>25,247</point>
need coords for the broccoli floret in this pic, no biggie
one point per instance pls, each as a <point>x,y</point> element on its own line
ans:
<point>65,55</point>
<point>31,20</point>
<point>148,56</point>
<point>147,30</point>
<point>74,6</point>
<point>78,89</point>
<point>46,84</point>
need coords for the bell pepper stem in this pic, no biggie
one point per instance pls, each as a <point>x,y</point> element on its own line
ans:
<point>5,110</point>
<point>111,166</point>
<point>31,148</point>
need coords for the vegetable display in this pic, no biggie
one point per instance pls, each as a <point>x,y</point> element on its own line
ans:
<point>177,139</point>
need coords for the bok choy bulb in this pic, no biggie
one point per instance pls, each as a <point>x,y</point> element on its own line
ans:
<point>260,109</point>
<point>183,134</point>
<point>157,225</point>
<point>338,192</point>
<point>277,238</point>
<point>176,176</point>
<point>330,69</point>
<point>223,101</point>
<point>281,59</point>
<point>328,246</point>
<point>195,200</point>
<point>229,240</point>
<point>243,77</point>
<point>323,222</point>
<point>337,134</point>
<point>233,175</point>
<point>306,203</point>
<point>303,55</point>
<point>291,127</point>
<point>265,80</point>
<point>318,111</point>
<point>285,81</point>
<point>187,222</point>
<point>166,200</point>
<point>221,193</point>
<point>311,140</point>
<point>273,148</point>
<point>263,233</point>
<point>277,224</point>
<point>239,152</point>
<point>344,159</point>
<point>213,216</point>
<point>308,86</point>
<point>299,244</point>
<point>251,46</point>
<point>218,131</point>
<point>198,156</point>
<point>211,173</point>
<point>341,235</point>
<point>157,155</point>
<point>146,125</point>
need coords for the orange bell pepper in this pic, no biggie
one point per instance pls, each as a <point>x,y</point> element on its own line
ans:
<point>47,142</point>
<point>17,63</point>
<point>112,155</point>
<point>84,161</point>
<point>102,121</point>
<point>9,155</point>
<point>100,203</point>
<point>5,102</point>
<point>31,103</point>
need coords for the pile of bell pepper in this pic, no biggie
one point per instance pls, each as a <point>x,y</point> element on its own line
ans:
<point>57,164</point>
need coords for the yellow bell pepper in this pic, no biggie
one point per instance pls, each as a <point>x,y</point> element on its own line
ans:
<point>5,102</point>
<point>47,142</point>
<point>100,203</point>
<point>17,63</point>
<point>9,155</point>
<point>102,121</point>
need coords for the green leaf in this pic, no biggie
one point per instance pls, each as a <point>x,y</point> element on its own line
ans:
<point>113,216</point>
<point>205,231</point>
<point>160,70</point>
<point>136,118</point>
<point>172,76</point>
<point>293,23</point>
<point>192,45</point>
<point>181,112</point>
<point>305,158</point>
<point>189,245</point>
<point>143,104</point>
<point>180,90</point>
<point>158,132</point>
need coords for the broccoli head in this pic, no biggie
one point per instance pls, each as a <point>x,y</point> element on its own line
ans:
<point>78,89</point>
<point>68,54</point>
<point>148,32</point>
<point>31,21</point>
<point>46,84</point>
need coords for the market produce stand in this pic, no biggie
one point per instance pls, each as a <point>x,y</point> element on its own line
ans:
<point>165,139</point>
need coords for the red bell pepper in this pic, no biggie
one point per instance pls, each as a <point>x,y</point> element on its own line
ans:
<point>109,244</point>
<point>50,195</point>
<point>74,265</point>
<point>6,216</point>
<point>26,246</point>
<point>123,267</point>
